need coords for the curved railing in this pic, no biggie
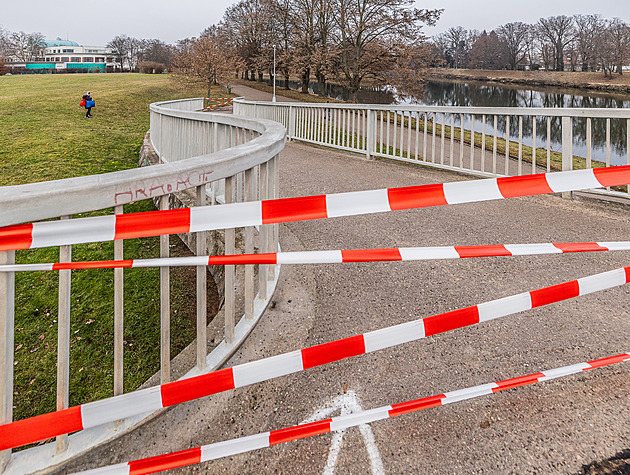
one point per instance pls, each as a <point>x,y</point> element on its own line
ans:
<point>169,125</point>
<point>206,159</point>
<point>505,138</point>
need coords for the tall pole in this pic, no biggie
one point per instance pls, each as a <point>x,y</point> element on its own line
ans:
<point>274,74</point>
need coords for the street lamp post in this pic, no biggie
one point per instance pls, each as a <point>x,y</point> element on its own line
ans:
<point>274,74</point>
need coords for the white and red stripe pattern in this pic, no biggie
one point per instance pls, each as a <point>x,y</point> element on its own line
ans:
<point>268,439</point>
<point>92,414</point>
<point>216,102</point>
<point>338,256</point>
<point>255,213</point>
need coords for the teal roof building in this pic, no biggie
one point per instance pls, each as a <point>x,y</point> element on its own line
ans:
<point>59,42</point>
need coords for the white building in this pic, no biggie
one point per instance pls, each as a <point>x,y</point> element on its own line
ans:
<point>69,55</point>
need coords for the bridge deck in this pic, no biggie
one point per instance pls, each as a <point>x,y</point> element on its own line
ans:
<point>553,427</point>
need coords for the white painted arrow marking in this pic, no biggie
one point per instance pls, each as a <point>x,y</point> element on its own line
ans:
<point>348,404</point>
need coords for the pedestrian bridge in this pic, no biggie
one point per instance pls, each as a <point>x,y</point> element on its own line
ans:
<point>230,171</point>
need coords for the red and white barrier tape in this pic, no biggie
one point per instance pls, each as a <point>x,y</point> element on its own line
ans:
<point>92,414</point>
<point>255,213</point>
<point>339,256</point>
<point>217,102</point>
<point>289,434</point>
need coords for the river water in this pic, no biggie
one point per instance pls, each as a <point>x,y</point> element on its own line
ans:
<point>491,95</point>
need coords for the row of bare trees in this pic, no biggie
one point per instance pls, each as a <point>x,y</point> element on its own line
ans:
<point>351,41</point>
<point>23,46</point>
<point>136,53</point>
<point>578,42</point>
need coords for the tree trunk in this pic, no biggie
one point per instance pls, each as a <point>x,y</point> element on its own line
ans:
<point>306,76</point>
<point>559,57</point>
<point>321,84</point>
<point>286,80</point>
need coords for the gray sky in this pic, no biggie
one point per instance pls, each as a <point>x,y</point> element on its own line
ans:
<point>90,22</point>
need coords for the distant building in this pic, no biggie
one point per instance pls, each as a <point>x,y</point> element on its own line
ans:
<point>68,56</point>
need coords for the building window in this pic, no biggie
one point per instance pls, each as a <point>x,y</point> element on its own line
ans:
<point>99,60</point>
<point>65,59</point>
<point>68,51</point>
<point>76,60</point>
<point>88,60</point>
<point>57,59</point>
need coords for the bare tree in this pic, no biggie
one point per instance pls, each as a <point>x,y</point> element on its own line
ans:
<point>249,28</point>
<point>156,51</point>
<point>26,46</point>
<point>134,51</point>
<point>369,30</point>
<point>206,61</point>
<point>619,34</point>
<point>120,47</point>
<point>285,32</point>
<point>406,70</point>
<point>305,40</point>
<point>488,52</point>
<point>558,31</point>
<point>588,28</point>
<point>531,44</point>
<point>456,43</point>
<point>4,43</point>
<point>514,37</point>
<point>325,50</point>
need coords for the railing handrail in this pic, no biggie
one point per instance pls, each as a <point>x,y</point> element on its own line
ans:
<point>605,113</point>
<point>202,152</point>
<point>94,192</point>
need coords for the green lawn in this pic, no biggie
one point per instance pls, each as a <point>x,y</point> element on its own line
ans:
<point>44,136</point>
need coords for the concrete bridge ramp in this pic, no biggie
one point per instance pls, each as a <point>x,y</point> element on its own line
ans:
<point>552,427</point>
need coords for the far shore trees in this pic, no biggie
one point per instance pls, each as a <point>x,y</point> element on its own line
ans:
<point>514,38</point>
<point>489,52</point>
<point>577,43</point>
<point>558,31</point>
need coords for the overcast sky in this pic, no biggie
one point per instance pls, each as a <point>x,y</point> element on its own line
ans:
<point>95,23</point>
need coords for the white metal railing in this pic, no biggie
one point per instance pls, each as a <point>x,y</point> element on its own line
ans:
<point>505,139</point>
<point>202,153</point>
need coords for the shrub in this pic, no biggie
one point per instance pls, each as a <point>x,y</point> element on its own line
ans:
<point>151,67</point>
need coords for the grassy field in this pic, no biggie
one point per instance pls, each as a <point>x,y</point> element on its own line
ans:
<point>45,137</point>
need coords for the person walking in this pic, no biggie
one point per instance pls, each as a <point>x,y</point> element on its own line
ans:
<point>89,103</point>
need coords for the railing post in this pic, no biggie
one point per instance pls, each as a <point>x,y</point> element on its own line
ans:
<point>118,314</point>
<point>230,248</point>
<point>291,131</point>
<point>369,132</point>
<point>7,306</point>
<point>202,290</point>
<point>63,339</point>
<point>250,195</point>
<point>165,305</point>
<point>567,149</point>
<point>263,245</point>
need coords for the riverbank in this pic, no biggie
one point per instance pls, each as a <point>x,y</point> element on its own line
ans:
<point>594,81</point>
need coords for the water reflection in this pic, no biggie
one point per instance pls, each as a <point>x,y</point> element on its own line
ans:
<point>484,95</point>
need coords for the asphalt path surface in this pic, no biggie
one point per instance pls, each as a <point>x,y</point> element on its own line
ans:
<point>551,427</point>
